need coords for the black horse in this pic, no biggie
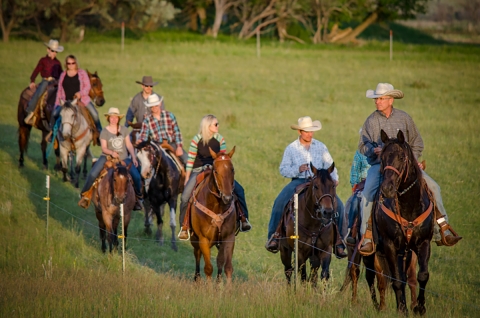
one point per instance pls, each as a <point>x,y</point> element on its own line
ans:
<point>163,183</point>
<point>316,209</point>
<point>403,221</point>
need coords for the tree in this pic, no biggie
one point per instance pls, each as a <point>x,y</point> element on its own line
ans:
<point>221,7</point>
<point>13,13</point>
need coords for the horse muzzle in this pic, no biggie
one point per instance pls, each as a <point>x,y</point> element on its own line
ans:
<point>117,200</point>
<point>227,198</point>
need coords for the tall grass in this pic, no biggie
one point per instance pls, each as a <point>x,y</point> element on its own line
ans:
<point>256,101</point>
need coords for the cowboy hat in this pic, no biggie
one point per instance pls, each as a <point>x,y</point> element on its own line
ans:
<point>54,46</point>
<point>384,89</point>
<point>113,111</point>
<point>153,100</point>
<point>147,81</point>
<point>306,124</point>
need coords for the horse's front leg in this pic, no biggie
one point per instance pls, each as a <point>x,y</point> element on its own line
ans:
<point>370,274</point>
<point>101,225</point>
<point>23,137</point>
<point>81,154</point>
<point>325,259</point>
<point>204,245</point>
<point>423,276</point>
<point>396,263</point>
<point>314,266</point>
<point>43,145</point>
<point>173,225</point>
<point>198,255</point>
<point>85,157</point>
<point>286,257</point>
<point>64,153</point>
<point>225,261</point>
<point>159,212</point>
<point>148,217</point>
<point>58,162</point>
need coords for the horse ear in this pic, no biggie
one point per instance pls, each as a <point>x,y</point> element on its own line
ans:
<point>314,170</point>
<point>331,168</point>
<point>384,136</point>
<point>400,137</point>
<point>230,154</point>
<point>89,74</point>
<point>212,153</point>
<point>74,102</point>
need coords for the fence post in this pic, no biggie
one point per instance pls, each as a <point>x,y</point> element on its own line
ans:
<point>123,240</point>
<point>47,198</point>
<point>123,34</point>
<point>391,45</point>
<point>258,42</point>
<point>295,203</point>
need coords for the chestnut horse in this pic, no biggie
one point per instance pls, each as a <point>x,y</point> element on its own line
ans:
<point>115,188</point>
<point>213,217</point>
<point>316,209</point>
<point>96,94</point>
<point>403,222</point>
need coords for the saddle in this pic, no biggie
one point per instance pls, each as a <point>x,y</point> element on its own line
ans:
<point>180,165</point>
<point>44,107</point>
<point>91,123</point>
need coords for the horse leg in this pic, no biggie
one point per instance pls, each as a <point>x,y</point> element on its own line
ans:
<point>58,163</point>
<point>396,264</point>
<point>381,284</point>
<point>148,218</point>
<point>85,157</point>
<point>286,257</point>
<point>173,225</point>
<point>159,213</point>
<point>23,137</point>
<point>314,266</point>
<point>101,226</point>
<point>43,145</point>
<point>325,259</point>
<point>204,245</point>
<point>423,276</point>
<point>64,155</point>
<point>115,222</point>
<point>412,280</point>
<point>198,255</point>
<point>227,252</point>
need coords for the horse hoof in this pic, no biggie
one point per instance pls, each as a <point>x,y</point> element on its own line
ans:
<point>419,310</point>
<point>45,167</point>
<point>148,231</point>
<point>57,167</point>
<point>174,247</point>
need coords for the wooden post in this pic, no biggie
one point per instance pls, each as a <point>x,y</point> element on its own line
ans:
<point>391,45</point>
<point>258,43</point>
<point>123,35</point>
<point>123,239</point>
<point>47,198</point>
<point>295,204</point>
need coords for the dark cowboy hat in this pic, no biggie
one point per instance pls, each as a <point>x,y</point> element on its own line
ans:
<point>147,81</point>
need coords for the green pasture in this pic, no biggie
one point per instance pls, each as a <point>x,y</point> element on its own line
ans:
<point>256,101</point>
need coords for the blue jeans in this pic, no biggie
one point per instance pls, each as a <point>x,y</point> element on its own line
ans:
<point>97,168</point>
<point>93,112</point>
<point>41,88</point>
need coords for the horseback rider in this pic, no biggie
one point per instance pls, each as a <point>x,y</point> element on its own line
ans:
<point>115,141</point>
<point>391,120</point>
<point>74,83</point>
<point>199,159</point>
<point>49,68</point>
<point>137,109</point>
<point>296,165</point>
<point>161,125</point>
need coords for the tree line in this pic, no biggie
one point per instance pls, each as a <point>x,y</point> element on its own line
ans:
<point>322,20</point>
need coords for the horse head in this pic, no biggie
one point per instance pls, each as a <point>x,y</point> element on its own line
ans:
<point>69,115</point>
<point>397,164</point>
<point>96,89</point>
<point>323,193</point>
<point>146,156</point>
<point>120,183</point>
<point>223,174</point>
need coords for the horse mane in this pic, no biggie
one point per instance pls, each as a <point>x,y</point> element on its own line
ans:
<point>324,175</point>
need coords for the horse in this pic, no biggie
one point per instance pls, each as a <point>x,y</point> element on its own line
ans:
<point>42,121</point>
<point>115,188</point>
<point>316,209</point>
<point>353,209</point>
<point>403,222</point>
<point>213,217</point>
<point>164,183</point>
<point>75,136</point>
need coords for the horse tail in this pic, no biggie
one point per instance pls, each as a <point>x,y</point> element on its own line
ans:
<point>346,281</point>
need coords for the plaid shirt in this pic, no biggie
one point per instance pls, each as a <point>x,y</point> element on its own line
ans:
<point>84,87</point>
<point>359,169</point>
<point>398,120</point>
<point>296,155</point>
<point>164,129</point>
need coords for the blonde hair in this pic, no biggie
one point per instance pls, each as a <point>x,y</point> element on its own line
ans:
<point>204,130</point>
<point>72,57</point>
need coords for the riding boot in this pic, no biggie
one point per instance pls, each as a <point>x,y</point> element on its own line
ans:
<point>273,243</point>
<point>29,118</point>
<point>184,234</point>
<point>448,236</point>
<point>138,202</point>
<point>246,226</point>
<point>369,246</point>
<point>85,199</point>
<point>339,247</point>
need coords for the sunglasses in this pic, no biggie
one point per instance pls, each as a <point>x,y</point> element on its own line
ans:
<point>71,63</point>
<point>216,124</point>
<point>147,86</point>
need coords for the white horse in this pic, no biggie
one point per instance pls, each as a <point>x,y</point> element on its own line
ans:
<point>74,138</point>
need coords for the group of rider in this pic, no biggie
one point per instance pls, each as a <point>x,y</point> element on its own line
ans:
<point>159,125</point>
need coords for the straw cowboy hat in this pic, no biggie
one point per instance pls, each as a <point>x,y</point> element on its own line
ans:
<point>113,111</point>
<point>306,124</point>
<point>153,100</point>
<point>53,45</point>
<point>147,81</point>
<point>384,89</point>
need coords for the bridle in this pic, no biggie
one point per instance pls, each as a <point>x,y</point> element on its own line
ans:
<point>220,193</point>
<point>318,208</point>
<point>405,164</point>
<point>93,94</point>
<point>116,198</point>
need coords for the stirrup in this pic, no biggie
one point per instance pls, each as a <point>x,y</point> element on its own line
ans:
<point>367,235</point>
<point>183,239</point>
<point>84,202</point>
<point>247,225</point>
<point>444,226</point>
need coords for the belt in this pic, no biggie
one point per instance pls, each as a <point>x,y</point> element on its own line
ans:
<point>202,168</point>
<point>48,79</point>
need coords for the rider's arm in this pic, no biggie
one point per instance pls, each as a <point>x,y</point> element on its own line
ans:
<point>130,149</point>
<point>288,167</point>
<point>60,90</point>
<point>143,132</point>
<point>37,70</point>
<point>192,153</point>
<point>414,139</point>
<point>176,129</point>
<point>84,86</point>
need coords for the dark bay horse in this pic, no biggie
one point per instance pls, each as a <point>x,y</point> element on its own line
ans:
<point>213,217</point>
<point>115,188</point>
<point>316,228</point>
<point>42,121</point>
<point>403,222</point>
<point>164,182</point>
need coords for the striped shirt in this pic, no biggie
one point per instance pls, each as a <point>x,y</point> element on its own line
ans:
<point>359,169</point>
<point>198,153</point>
<point>296,155</point>
<point>164,129</point>
<point>398,120</point>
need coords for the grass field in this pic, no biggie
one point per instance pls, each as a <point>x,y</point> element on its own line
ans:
<point>256,101</point>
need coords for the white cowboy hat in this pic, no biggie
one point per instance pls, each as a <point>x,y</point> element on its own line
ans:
<point>147,81</point>
<point>53,45</point>
<point>306,124</point>
<point>153,100</point>
<point>384,89</point>
<point>113,111</point>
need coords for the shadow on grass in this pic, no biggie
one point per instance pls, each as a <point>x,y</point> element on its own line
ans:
<point>64,210</point>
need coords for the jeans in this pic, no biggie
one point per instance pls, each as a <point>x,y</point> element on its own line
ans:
<point>98,167</point>
<point>282,199</point>
<point>93,112</point>
<point>188,189</point>
<point>41,88</point>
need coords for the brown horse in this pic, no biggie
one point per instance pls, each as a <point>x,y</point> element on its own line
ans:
<point>213,217</point>
<point>115,188</point>
<point>42,121</point>
<point>316,208</point>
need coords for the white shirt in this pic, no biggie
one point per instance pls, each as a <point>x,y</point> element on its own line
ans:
<point>296,155</point>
